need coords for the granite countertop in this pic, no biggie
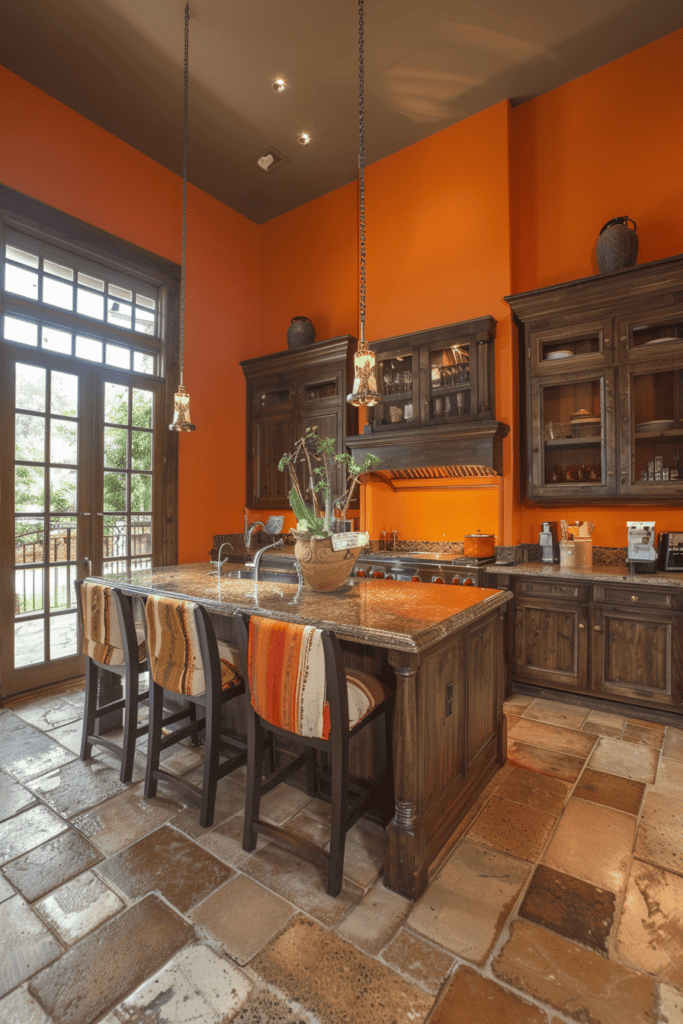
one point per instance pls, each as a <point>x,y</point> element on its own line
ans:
<point>597,574</point>
<point>389,614</point>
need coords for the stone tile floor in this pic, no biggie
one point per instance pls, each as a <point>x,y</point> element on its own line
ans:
<point>561,901</point>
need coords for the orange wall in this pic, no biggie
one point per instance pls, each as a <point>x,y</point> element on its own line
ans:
<point>607,144</point>
<point>55,155</point>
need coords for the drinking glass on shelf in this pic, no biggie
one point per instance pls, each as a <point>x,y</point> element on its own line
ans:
<point>388,381</point>
<point>408,380</point>
<point>550,431</point>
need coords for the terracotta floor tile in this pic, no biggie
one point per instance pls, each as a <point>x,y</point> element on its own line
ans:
<point>166,861</point>
<point>21,1008</point>
<point>643,723</point>
<point>51,864</point>
<point>230,797</point>
<point>100,970</point>
<point>553,737</point>
<point>76,908</point>
<point>364,854</point>
<point>517,703</point>
<point>669,777</point>
<point>660,834</point>
<point>610,790</point>
<point>542,792</point>
<point>570,907</point>
<point>28,829</point>
<point>555,713</point>
<point>225,841</point>
<point>46,714</point>
<point>125,818</point>
<point>70,737</point>
<point>465,907</point>
<point>309,827</point>
<point>673,744</point>
<point>670,1005</point>
<point>573,980</point>
<point>511,719</point>
<point>637,734</point>
<point>593,843</point>
<point>27,752</point>
<point>469,998</point>
<point>364,989</point>
<point>6,890</point>
<point>650,936</point>
<point>604,724</point>
<point>26,945</point>
<point>512,828</point>
<point>75,787</point>
<point>412,956</point>
<point>545,762</point>
<point>13,797</point>
<point>263,1007</point>
<point>630,760</point>
<point>197,985</point>
<point>282,803</point>
<point>375,918</point>
<point>302,883</point>
<point>243,916</point>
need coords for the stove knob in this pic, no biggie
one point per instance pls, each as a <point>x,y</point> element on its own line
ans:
<point>468,582</point>
<point>389,576</point>
<point>377,574</point>
<point>437,579</point>
<point>415,579</point>
<point>455,581</point>
<point>361,573</point>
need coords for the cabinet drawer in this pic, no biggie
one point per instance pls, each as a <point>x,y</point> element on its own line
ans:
<point>543,588</point>
<point>637,597</point>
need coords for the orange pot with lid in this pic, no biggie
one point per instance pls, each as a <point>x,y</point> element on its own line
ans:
<point>479,545</point>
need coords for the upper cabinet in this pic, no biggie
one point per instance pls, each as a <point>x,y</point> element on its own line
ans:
<point>603,366</point>
<point>286,393</point>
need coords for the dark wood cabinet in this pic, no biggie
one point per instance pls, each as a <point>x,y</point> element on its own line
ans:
<point>637,655</point>
<point>602,362</point>
<point>287,392</point>
<point>551,645</point>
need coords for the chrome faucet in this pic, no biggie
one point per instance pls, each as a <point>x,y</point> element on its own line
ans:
<point>227,557</point>
<point>249,532</point>
<point>259,555</point>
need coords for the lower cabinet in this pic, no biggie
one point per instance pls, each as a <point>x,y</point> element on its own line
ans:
<point>637,654</point>
<point>551,643</point>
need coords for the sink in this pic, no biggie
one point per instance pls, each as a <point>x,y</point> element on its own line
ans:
<point>266,576</point>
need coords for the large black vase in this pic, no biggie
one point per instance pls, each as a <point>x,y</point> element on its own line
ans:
<point>300,332</point>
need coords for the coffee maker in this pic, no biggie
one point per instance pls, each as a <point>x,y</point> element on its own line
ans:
<point>550,548</point>
<point>642,556</point>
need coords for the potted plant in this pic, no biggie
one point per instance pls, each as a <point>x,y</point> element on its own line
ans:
<point>324,556</point>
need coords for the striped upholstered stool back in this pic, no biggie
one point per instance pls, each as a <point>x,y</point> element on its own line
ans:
<point>174,652</point>
<point>102,638</point>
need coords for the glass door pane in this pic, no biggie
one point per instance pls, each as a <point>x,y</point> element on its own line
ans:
<point>450,383</point>
<point>573,433</point>
<point>653,443</point>
<point>396,381</point>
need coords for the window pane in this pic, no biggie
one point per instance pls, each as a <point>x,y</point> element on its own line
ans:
<point>118,356</point>
<point>28,540</point>
<point>143,363</point>
<point>144,321</point>
<point>115,403</point>
<point>62,540</point>
<point>115,537</point>
<point>141,536</point>
<point>29,643</point>
<point>144,300</point>
<point>57,293</point>
<point>116,447</point>
<point>21,257</point>
<point>89,304</point>
<point>29,490</point>
<point>120,293</point>
<point>30,387</point>
<point>142,408</point>
<point>114,566</point>
<point>57,341</point>
<point>55,268</point>
<point>28,588</point>
<point>91,282</point>
<point>141,444</point>
<point>119,313</point>
<point>63,636</point>
<point>140,493</point>
<point>63,490</point>
<point>64,397</point>
<point>21,282</point>
<point>115,492</point>
<point>22,331</point>
<point>88,348</point>
<point>63,442</point>
<point>61,582</point>
<point>29,437</point>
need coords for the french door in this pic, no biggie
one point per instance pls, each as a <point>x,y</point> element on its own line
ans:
<point>82,492</point>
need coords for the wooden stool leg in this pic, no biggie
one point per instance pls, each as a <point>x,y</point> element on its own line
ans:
<point>340,813</point>
<point>89,708</point>
<point>193,719</point>
<point>130,725</point>
<point>156,709</point>
<point>211,762</point>
<point>252,805</point>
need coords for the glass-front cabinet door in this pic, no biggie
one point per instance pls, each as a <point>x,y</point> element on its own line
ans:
<point>397,382</point>
<point>571,348</point>
<point>650,338</point>
<point>572,425</point>
<point>651,430</point>
<point>452,385</point>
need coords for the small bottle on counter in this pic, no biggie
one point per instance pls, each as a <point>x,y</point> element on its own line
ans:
<point>394,540</point>
<point>383,540</point>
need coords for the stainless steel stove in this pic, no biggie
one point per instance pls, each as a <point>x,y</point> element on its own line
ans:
<point>423,567</point>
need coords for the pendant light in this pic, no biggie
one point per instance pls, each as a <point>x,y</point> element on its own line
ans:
<point>181,399</point>
<point>364,362</point>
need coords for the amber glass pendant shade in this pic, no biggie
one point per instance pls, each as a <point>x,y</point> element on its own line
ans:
<point>364,377</point>
<point>181,411</point>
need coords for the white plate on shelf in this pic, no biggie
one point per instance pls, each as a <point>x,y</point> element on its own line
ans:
<point>660,341</point>
<point>642,428</point>
<point>560,354</point>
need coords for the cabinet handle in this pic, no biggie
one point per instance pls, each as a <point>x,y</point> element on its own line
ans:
<point>634,597</point>
<point>598,629</point>
<point>582,625</point>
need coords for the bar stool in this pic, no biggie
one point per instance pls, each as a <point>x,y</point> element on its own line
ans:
<point>186,658</point>
<point>112,642</point>
<point>298,686</point>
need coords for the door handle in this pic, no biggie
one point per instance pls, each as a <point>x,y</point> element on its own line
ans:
<point>598,629</point>
<point>582,625</point>
<point>88,565</point>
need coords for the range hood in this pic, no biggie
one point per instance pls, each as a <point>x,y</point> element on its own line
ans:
<point>473,449</point>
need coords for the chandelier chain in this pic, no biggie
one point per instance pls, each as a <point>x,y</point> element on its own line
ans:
<point>361,165</point>
<point>182,259</point>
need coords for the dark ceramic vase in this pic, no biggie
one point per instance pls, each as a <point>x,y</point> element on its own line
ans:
<point>300,332</point>
<point>617,245</point>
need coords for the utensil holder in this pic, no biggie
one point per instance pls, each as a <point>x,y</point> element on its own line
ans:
<point>567,554</point>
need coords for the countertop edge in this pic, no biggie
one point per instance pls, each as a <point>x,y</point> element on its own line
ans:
<point>613,574</point>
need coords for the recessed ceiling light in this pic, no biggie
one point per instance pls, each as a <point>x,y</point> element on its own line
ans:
<point>279,85</point>
<point>304,139</point>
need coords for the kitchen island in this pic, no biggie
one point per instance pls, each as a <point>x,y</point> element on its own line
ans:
<point>442,649</point>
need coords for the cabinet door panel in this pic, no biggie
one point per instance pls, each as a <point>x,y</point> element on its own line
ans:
<point>551,643</point>
<point>637,656</point>
<point>651,427</point>
<point>328,420</point>
<point>589,344</point>
<point>272,438</point>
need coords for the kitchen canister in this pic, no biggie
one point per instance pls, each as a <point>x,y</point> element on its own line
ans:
<point>583,552</point>
<point>617,245</point>
<point>567,554</point>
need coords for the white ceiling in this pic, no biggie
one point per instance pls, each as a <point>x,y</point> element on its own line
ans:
<point>428,64</point>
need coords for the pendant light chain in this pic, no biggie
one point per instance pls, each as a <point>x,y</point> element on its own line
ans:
<point>182,258</point>
<point>361,166</point>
